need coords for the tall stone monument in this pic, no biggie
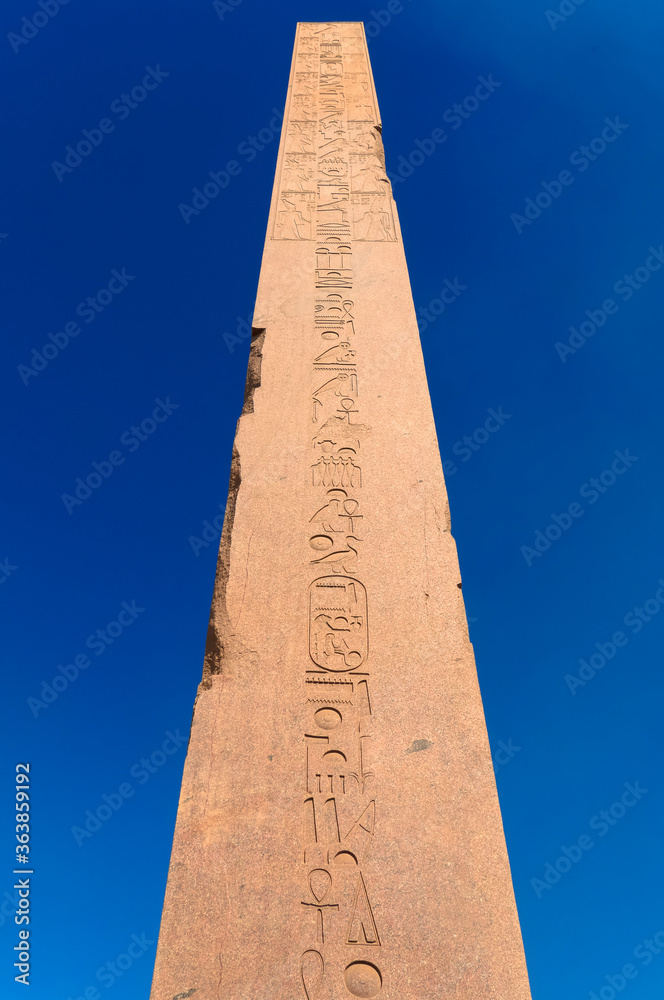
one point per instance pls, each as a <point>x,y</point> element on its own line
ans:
<point>338,833</point>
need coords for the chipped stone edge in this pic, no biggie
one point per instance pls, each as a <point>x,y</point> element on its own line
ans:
<point>222,646</point>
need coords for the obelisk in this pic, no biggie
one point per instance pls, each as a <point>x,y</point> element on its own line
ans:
<point>338,832</point>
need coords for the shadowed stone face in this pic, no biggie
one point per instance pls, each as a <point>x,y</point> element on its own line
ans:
<point>338,833</point>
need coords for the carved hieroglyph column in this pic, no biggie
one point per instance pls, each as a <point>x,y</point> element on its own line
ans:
<point>338,832</point>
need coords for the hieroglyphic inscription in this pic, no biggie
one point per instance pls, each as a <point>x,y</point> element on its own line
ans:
<point>333,189</point>
<point>335,526</point>
<point>338,629</point>
<point>333,167</point>
<point>362,926</point>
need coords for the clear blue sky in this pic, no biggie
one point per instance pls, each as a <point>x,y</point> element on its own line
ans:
<point>150,352</point>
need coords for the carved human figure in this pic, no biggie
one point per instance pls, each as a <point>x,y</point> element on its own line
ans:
<point>292,223</point>
<point>363,136</point>
<point>297,177</point>
<point>374,224</point>
<point>367,176</point>
<point>301,137</point>
<point>306,84</point>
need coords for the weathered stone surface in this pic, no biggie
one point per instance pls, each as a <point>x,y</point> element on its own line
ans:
<point>338,833</point>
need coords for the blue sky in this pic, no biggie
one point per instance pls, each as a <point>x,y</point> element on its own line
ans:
<point>529,236</point>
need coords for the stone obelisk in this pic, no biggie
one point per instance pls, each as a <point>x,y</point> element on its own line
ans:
<point>338,832</point>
